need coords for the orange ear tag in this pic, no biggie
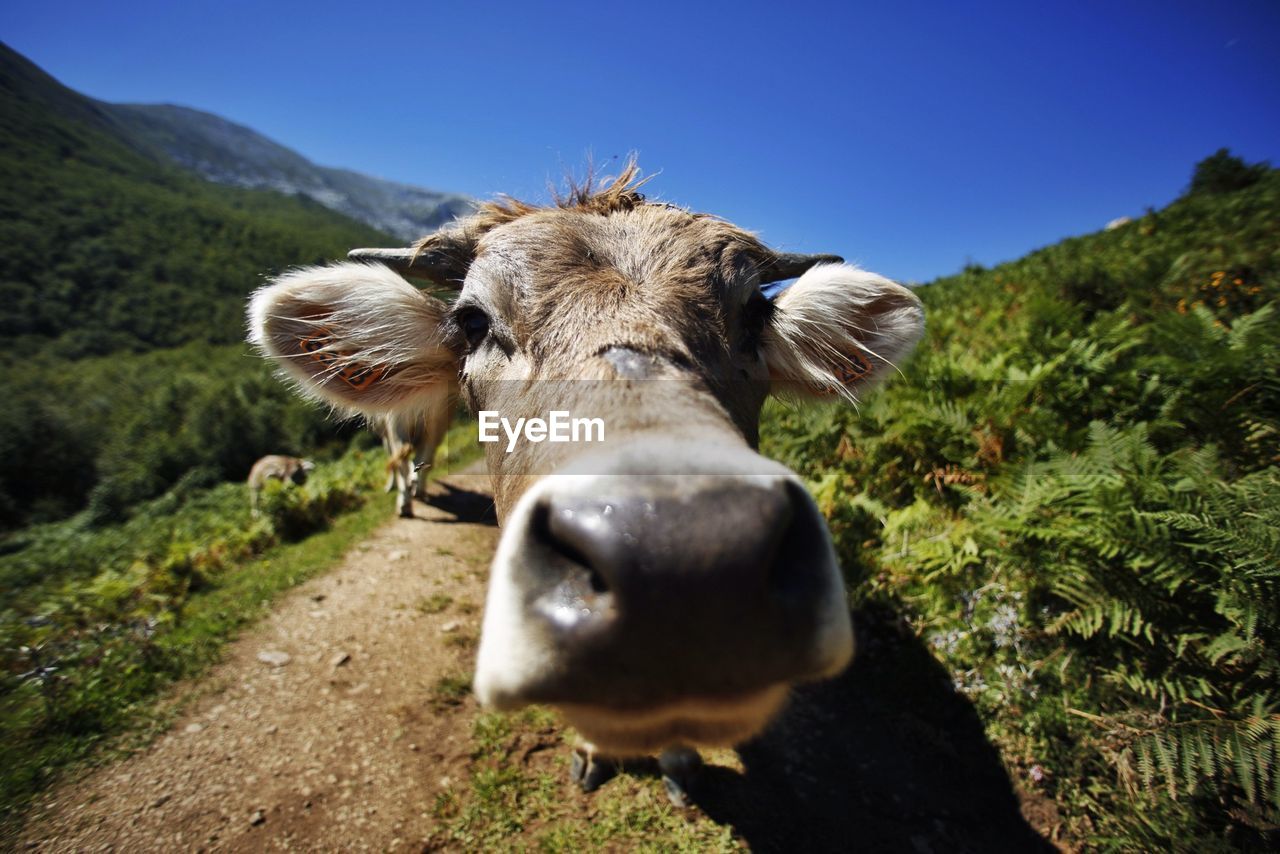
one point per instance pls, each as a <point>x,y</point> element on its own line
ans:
<point>360,377</point>
<point>857,367</point>
<point>355,375</point>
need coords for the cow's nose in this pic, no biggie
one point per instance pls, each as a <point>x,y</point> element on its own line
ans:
<point>660,588</point>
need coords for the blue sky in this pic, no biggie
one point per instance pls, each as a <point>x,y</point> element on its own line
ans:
<point>909,137</point>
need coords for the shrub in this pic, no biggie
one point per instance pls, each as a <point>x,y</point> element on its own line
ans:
<point>1223,172</point>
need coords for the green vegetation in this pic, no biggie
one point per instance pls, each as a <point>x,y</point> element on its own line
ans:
<point>104,251</point>
<point>449,692</point>
<point>504,797</point>
<point>132,416</point>
<point>434,604</point>
<point>97,620</point>
<point>109,433</point>
<point>1073,493</point>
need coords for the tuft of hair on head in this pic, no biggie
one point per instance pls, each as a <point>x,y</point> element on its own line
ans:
<point>453,246</point>
<point>608,194</point>
<point>588,194</point>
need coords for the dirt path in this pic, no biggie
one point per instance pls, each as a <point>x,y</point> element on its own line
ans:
<point>336,748</point>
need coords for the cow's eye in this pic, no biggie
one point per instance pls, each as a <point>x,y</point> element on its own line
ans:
<point>755,315</point>
<point>474,324</point>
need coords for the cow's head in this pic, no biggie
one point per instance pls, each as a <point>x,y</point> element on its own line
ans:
<point>670,585</point>
<point>305,467</point>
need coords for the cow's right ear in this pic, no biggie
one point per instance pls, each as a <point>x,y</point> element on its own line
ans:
<point>355,336</point>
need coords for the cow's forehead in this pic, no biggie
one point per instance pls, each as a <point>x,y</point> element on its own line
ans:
<point>652,247</point>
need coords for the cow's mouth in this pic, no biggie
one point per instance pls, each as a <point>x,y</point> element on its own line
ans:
<point>695,721</point>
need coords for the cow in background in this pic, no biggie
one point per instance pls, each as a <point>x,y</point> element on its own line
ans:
<point>276,467</point>
<point>411,440</point>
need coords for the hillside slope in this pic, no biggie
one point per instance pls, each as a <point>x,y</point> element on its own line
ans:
<point>102,248</point>
<point>106,252</point>
<point>1073,494</point>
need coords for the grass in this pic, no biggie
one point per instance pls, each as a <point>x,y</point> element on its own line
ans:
<point>461,640</point>
<point>510,804</point>
<point>100,697</point>
<point>434,604</point>
<point>449,692</point>
<point>249,593</point>
<point>1071,495</point>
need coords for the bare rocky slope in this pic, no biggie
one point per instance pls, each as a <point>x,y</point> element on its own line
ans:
<point>224,152</point>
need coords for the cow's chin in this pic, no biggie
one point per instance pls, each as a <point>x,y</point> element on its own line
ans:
<point>696,722</point>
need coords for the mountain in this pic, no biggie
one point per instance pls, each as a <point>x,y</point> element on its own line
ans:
<point>109,251</point>
<point>227,153</point>
<point>106,247</point>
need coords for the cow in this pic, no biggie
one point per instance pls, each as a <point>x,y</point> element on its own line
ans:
<point>276,467</point>
<point>665,589</point>
<point>411,439</point>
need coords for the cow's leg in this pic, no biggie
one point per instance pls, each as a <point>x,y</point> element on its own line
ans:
<point>404,487</point>
<point>437,425</point>
<point>680,767</point>
<point>590,770</point>
<point>391,458</point>
<point>417,481</point>
<point>420,480</point>
<point>404,501</point>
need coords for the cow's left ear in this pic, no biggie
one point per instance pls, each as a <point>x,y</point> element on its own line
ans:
<point>837,331</point>
<point>355,336</point>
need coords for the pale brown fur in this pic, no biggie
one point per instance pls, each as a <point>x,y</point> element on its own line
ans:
<point>410,441</point>
<point>679,278</point>
<point>651,317</point>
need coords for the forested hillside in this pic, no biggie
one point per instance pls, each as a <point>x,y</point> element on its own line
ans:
<point>105,249</point>
<point>1072,493</point>
<point>106,254</point>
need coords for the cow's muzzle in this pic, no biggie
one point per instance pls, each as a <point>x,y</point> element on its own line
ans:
<point>666,607</point>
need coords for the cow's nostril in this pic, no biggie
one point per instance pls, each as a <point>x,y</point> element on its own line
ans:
<point>551,536</point>
<point>575,595</point>
<point>802,546</point>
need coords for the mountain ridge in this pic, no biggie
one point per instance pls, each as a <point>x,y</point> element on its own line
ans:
<point>106,246</point>
<point>225,152</point>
